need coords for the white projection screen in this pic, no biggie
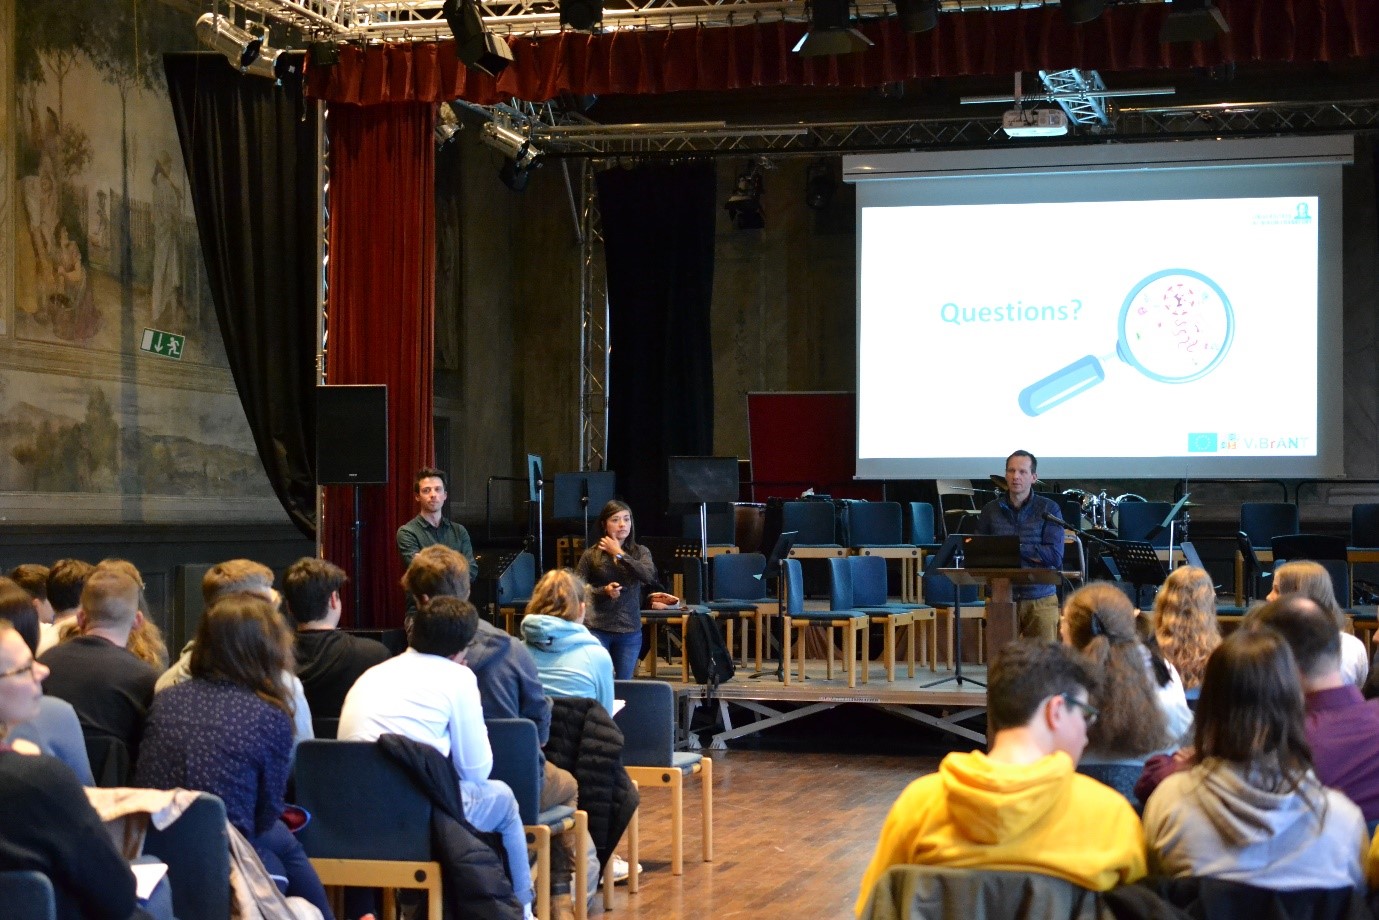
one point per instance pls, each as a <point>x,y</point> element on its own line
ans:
<point>1155,310</point>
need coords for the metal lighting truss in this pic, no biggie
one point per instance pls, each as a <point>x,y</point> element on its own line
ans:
<point>593,330</point>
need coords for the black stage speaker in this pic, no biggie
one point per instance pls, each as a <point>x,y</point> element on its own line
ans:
<point>351,435</point>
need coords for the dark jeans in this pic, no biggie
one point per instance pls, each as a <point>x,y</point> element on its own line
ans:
<point>283,856</point>
<point>624,649</point>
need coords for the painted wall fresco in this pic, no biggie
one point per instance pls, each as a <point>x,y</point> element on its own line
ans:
<point>114,380</point>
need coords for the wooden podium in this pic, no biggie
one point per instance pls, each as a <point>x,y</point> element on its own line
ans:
<point>1001,626</point>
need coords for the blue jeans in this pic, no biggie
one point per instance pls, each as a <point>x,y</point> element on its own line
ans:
<point>624,648</point>
<point>489,805</point>
<point>283,855</point>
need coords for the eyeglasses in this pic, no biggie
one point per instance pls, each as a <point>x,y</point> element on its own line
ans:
<point>1089,712</point>
<point>26,671</point>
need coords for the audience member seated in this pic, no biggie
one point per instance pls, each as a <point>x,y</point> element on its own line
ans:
<point>228,731</point>
<point>145,640</point>
<point>48,824</point>
<point>1313,581</point>
<point>33,578</point>
<point>1020,807</point>
<point>569,660</point>
<point>427,694</point>
<point>237,576</point>
<point>66,579</point>
<point>1251,809</point>
<point>328,661</point>
<point>1185,622</point>
<point>1143,709</point>
<point>109,688</point>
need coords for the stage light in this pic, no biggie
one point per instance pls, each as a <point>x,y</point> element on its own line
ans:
<point>819,185</point>
<point>514,145</point>
<point>584,15</point>
<point>475,45</point>
<point>1192,21</point>
<point>917,16</point>
<point>275,63</point>
<point>830,31</point>
<point>1082,11</point>
<point>219,33</point>
<point>744,204</point>
<point>513,177</point>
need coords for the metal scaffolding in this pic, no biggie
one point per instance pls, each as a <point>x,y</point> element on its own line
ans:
<point>593,330</point>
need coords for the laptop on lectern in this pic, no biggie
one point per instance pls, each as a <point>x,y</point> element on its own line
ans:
<point>985,551</point>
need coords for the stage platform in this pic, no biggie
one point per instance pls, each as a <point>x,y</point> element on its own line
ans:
<point>770,703</point>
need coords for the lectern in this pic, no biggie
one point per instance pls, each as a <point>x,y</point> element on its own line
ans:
<point>1001,626</point>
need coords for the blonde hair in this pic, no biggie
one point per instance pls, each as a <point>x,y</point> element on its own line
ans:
<point>1185,622</point>
<point>559,593</point>
<point>1100,622</point>
<point>234,576</point>
<point>1312,581</point>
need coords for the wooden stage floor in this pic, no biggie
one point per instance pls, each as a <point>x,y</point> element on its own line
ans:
<point>930,698</point>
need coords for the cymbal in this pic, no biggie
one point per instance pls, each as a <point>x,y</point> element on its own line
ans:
<point>1000,482</point>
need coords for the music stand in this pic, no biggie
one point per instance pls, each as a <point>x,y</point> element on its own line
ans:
<point>779,553</point>
<point>536,492</point>
<point>698,481</point>
<point>576,492</point>
<point>1139,564</point>
<point>1170,521</point>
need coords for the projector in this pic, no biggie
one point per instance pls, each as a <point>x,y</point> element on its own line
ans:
<point>1034,123</point>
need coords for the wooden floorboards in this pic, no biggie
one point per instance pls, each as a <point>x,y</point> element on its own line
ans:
<point>793,834</point>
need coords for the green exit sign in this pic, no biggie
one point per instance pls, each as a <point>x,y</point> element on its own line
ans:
<point>167,344</point>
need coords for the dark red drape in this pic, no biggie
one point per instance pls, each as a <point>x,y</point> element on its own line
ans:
<point>727,58</point>
<point>381,310</point>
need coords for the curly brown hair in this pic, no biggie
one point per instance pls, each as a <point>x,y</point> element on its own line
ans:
<point>1185,622</point>
<point>1099,620</point>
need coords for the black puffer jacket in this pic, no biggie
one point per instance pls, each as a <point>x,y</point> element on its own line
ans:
<point>475,883</point>
<point>585,741</point>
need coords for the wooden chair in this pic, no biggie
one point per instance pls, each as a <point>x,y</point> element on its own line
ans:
<point>738,586</point>
<point>859,583</point>
<point>648,727</point>
<point>941,594</point>
<point>517,762</point>
<point>370,825</point>
<point>853,623</point>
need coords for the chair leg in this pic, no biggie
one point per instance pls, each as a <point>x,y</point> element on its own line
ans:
<point>435,904</point>
<point>910,638</point>
<point>888,653</point>
<point>804,648</point>
<point>677,822</point>
<point>849,651</point>
<point>706,795</point>
<point>865,633</point>
<point>634,853</point>
<point>581,830</point>
<point>684,650</point>
<point>828,669</point>
<point>785,654</point>
<point>540,835</point>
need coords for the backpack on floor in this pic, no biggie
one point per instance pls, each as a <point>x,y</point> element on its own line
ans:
<point>708,656</point>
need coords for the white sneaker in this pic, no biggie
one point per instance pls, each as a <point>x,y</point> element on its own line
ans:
<point>621,869</point>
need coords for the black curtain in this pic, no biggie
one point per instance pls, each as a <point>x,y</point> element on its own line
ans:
<point>249,148</point>
<point>658,231</point>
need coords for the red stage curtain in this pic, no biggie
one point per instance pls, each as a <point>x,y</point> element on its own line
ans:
<point>726,58</point>
<point>381,277</point>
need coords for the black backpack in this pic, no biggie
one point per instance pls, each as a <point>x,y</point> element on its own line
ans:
<point>708,655</point>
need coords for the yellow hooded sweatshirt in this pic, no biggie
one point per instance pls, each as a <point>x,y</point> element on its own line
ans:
<point>975,813</point>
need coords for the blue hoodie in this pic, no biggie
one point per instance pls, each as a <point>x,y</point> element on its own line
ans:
<point>569,660</point>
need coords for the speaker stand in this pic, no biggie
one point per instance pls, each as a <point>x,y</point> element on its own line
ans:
<point>357,531</point>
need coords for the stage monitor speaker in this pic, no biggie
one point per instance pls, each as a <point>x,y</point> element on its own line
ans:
<point>351,435</point>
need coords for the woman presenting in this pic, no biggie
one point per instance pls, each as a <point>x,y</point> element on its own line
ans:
<point>617,568</point>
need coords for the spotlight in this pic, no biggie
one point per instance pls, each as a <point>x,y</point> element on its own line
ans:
<point>584,15</point>
<point>830,31</point>
<point>1192,21</point>
<point>917,16</point>
<point>512,144</point>
<point>220,34</point>
<point>275,64</point>
<point>1081,11</point>
<point>744,204</point>
<point>447,124</point>
<point>513,177</point>
<point>819,185</point>
<point>477,47</point>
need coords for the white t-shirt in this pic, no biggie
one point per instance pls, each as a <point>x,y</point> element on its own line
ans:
<point>427,698</point>
<point>1354,660</point>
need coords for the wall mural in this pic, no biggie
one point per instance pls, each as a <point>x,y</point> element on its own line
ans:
<point>114,378</point>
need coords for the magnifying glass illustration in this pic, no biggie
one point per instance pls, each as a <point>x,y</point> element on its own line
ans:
<point>1175,326</point>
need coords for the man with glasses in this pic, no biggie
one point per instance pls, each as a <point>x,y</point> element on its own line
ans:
<point>1020,806</point>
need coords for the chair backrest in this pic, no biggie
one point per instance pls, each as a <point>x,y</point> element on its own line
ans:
<point>921,523</point>
<point>517,582</point>
<point>1136,519</point>
<point>840,594</point>
<point>875,524</point>
<point>196,849</point>
<point>794,587</point>
<point>647,722</point>
<point>517,762</point>
<point>325,728</point>
<point>1262,521</point>
<point>27,895</point>
<point>938,590</point>
<point>736,576</point>
<point>1364,525</point>
<point>363,804</point>
<point>813,520</point>
<point>914,892</point>
<point>868,581</point>
<point>1312,546</point>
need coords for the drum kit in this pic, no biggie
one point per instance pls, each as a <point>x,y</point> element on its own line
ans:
<point>1097,511</point>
